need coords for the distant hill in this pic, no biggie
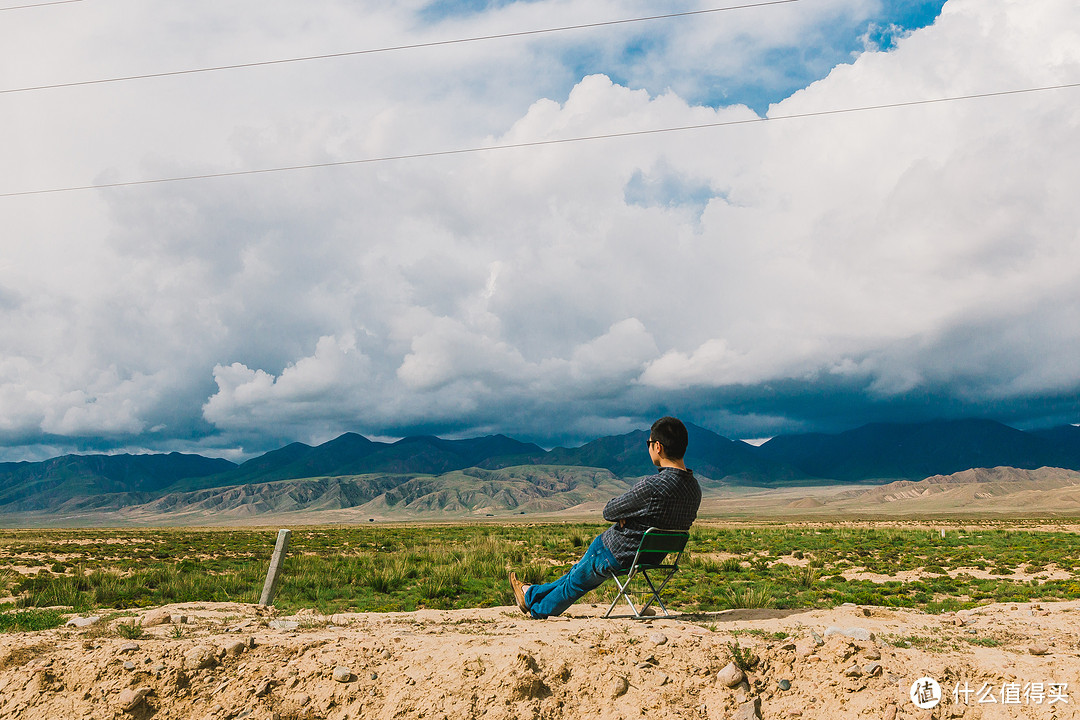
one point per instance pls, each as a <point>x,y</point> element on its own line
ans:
<point>915,450</point>
<point>37,486</point>
<point>997,490</point>
<point>399,474</point>
<point>472,492</point>
<point>1066,442</point>
<point>352,454</point>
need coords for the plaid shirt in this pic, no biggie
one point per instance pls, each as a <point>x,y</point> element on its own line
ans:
<point>669,499</point>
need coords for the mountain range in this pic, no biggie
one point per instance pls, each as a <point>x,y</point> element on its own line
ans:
<point>500,474</point>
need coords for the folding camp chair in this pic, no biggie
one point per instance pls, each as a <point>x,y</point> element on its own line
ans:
<point>655,546</point>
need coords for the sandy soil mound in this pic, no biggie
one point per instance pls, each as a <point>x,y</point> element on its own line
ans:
<point>806,502</point>
<point>231,661</point>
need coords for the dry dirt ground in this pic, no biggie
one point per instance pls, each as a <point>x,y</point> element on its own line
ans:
<point>235,661</point>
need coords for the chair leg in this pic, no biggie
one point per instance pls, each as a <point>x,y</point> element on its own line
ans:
<point>655,596</point>
<point>624,595</point>
<point>656,592</point>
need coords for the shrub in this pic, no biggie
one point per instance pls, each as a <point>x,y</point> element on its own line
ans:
<point>705,565</point>
<point>131,631</point>
<point>806,577</point>
<point>743,658</point>
<point>760,596</point>
<point>731,565</point>
<point>533,574</point>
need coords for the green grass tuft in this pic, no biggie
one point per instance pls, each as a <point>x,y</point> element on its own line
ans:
<point>30,620</point>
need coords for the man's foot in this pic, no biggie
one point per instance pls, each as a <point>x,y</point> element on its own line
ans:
<point>519,593</point>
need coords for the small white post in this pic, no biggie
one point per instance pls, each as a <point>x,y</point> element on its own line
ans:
<point>273,575</point>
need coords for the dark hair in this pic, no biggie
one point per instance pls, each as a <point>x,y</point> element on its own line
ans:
<point>671,433</point>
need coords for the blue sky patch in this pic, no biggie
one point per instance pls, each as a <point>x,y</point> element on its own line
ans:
<point>664,188</point>
<point>766,75</point>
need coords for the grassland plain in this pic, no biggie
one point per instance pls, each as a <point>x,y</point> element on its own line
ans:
<point>398,567</point>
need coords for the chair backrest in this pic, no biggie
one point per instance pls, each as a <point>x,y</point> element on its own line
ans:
<point>656,543</point>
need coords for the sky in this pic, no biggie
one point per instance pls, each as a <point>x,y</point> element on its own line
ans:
<point>786,268</point>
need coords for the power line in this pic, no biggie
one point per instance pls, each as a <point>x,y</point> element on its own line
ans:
<point>538,143</point>
<point>36,5</point>
<point>371,51</point>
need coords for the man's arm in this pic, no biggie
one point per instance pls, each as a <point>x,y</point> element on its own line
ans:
<point>630,504</point>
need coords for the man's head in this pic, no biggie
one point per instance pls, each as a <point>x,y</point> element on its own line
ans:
<point>670,433</point>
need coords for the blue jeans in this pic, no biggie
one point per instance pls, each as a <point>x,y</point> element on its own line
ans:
<point>590,572</point>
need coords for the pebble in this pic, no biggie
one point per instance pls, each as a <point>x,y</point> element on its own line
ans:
<point>871,653</point>
<point>200,656</point>
<point>730,676</point>
<point>284,624</point>
<point>750,710</point>
<point>873,668</point>
<point>129,665</point>
<point>854,671</point>
<point>263,689</point>
<point>234,648</point>
<point>342,674</point>
<point>81,622</point>
<point>658,639</point>
<point>619,686</point>
<point>1039,650</point>
<point>156,617</point>
<point>890,713</point>
<point>128,647</point>
<point>784,684</point>
<point>131,698</point>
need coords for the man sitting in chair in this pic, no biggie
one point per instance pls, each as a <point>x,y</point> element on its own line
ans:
<point>669,499</point>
